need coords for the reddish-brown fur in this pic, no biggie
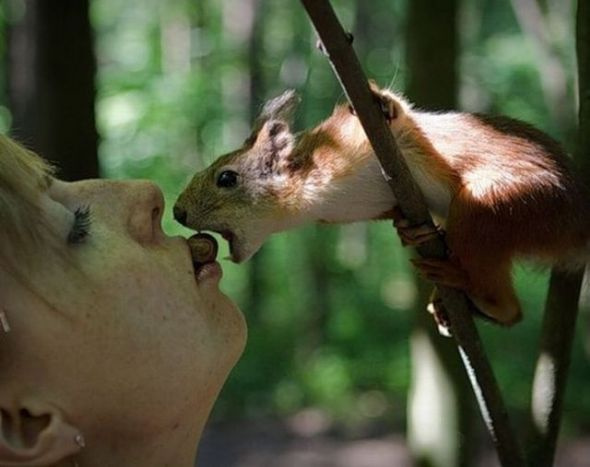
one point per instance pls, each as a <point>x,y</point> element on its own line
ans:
<point>502,189</point>
<point>513,192</point>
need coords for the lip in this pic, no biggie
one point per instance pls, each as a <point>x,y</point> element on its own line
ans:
<point>208,272</point>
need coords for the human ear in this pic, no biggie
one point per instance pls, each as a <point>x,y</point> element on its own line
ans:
<point>35,434</point>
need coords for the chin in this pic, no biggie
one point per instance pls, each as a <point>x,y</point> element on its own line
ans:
<point>242,250</point>
<point>241,255</point>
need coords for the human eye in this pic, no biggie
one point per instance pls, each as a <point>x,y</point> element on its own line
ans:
<point>81,227</point>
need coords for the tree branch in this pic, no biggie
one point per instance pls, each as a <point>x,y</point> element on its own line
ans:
<point>557,335</point>
<point>561,308</point>
<point>412,204</point>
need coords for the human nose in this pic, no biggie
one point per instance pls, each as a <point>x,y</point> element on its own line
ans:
<point>146,207</point>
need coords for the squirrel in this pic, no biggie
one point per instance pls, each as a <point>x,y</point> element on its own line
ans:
<point>499,188</point>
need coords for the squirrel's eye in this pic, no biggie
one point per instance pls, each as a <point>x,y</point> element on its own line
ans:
<point>227,179</point>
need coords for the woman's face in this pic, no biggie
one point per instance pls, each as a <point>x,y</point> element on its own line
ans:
<point>121,327</point>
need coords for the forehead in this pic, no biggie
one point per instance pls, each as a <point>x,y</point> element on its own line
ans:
<point>229,158</point>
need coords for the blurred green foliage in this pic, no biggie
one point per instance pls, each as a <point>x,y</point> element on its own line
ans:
<point>174,93</point>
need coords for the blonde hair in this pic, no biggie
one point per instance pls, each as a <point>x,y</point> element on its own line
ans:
<point>23,175</point>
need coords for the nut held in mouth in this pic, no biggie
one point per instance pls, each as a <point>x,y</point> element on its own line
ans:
<point>203,248</point>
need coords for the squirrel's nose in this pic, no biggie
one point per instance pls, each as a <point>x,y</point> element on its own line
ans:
<point>180,214</point>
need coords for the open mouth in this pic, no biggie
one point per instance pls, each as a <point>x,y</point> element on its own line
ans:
<point>231,239</point>
<point>228,235</point>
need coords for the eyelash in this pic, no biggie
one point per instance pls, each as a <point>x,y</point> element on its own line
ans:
<point>81,228</point>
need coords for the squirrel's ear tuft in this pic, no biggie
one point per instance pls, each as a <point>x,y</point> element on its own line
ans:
<point>275,142</point>
<point>281,107</point>
<point>271,133</point>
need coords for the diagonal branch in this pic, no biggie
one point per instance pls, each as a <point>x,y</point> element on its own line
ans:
<point>411,202</point>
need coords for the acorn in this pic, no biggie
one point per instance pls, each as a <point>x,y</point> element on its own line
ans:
<point>203,248</point>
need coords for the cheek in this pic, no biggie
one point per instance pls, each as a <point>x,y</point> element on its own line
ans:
<point>158,311</point>
<point>173,355</point>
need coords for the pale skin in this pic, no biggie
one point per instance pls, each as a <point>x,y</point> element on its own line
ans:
<point>115,339</point>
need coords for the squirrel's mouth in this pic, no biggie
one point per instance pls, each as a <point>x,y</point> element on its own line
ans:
<point>232,241</point>
<point>236,242</point>
<point>230,237</point>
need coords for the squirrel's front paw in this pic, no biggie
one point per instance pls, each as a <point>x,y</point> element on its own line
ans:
<point>385,100</point>
<point>414,235</point>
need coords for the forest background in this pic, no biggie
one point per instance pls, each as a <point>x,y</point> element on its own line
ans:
<point>330,309</point>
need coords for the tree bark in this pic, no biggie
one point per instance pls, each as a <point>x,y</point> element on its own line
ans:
<point>411,201</point>
<point>51,85</point>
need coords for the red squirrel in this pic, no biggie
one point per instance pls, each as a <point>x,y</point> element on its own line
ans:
<point>499,188</point>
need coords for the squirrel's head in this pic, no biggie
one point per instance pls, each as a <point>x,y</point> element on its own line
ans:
<point>238,195</point>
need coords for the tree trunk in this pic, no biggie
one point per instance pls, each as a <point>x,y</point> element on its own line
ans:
<point>440,405</point>
<point>51,85</point>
